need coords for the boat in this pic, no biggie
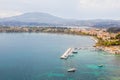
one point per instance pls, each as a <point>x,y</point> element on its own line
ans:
<point>71,70</point>
<point>74,52</point>
<point>101,65</point>
<point>79,48</point>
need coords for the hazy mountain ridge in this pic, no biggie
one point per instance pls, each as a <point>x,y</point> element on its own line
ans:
<point>34,17</point>
<point>45,19</point>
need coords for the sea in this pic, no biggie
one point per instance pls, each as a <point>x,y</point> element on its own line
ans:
<point>36,56</point>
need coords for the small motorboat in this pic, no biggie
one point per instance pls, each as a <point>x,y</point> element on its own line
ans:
<point>71,70</point>
<point>101,65</point>
<point>76,48</point>
<point>74,52</point>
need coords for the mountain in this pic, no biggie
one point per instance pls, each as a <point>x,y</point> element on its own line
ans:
<point>45,19</point>
<point>34,17</point>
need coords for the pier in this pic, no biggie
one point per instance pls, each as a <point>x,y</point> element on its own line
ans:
<point>70,51</point>
<point>67,53</point>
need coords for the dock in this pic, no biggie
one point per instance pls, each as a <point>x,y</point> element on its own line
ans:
<point>71,51</point>
<point>67,53</point>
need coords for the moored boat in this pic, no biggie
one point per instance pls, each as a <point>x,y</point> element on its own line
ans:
<point>101,65</point>
<point>74,52</point>
<point>72,70</point>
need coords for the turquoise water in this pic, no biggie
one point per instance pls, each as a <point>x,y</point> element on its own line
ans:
<point>36,56</point>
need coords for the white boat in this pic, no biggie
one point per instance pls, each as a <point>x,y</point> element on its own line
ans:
<point>71,70</point>
<point>101,65</point>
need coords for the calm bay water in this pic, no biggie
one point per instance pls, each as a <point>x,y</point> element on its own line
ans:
<point>36,56</point>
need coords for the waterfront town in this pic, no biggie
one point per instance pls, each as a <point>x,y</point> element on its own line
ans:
<point>107,41</point>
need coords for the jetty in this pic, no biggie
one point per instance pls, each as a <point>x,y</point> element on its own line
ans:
<point>71,51</point>
<point>67,53</point>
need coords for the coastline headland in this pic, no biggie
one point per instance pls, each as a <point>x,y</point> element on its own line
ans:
<point>109,49</point>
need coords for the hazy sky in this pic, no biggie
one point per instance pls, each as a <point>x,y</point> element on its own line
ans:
<point>76,9</point>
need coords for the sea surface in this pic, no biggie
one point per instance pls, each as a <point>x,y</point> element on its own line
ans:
<point>36,56</point>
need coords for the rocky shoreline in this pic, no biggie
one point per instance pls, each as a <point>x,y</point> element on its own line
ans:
<point>109,49</point>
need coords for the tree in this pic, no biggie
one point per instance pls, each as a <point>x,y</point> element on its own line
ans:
<point>118,36</point>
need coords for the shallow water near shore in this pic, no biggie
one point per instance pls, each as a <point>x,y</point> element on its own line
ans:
<point>36,56</point>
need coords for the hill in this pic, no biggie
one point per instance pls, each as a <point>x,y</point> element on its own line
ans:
<point>34,17</point>
<point>45,19</point>
<point>114,29</point>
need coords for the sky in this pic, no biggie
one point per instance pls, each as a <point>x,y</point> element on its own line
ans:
<point>70,9</point>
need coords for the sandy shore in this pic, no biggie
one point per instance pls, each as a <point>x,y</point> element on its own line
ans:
<point>95,39</point>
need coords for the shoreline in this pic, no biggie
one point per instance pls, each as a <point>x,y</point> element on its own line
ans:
<point>109,49</point>
<point>94,34</point>
<point>94,39</point>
